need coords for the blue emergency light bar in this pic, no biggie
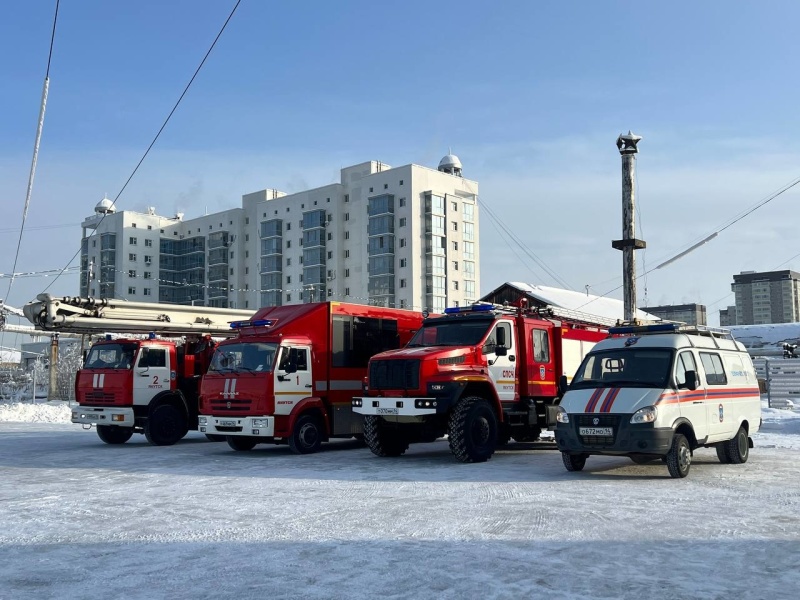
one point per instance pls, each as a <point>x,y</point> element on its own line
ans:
<point>253,323</point>
<point>658,327</point>
<point>474,308</point>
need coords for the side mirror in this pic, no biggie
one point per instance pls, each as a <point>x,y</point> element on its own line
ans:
<point>691,380</point>
<point>562,385</point>
<point>501,350</point>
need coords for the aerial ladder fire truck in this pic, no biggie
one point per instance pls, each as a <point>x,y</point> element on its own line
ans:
<point>143,374</point>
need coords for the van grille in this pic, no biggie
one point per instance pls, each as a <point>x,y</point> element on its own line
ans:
<point>394,375</point>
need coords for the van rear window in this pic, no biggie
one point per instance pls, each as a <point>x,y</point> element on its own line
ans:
<point>712,365</point>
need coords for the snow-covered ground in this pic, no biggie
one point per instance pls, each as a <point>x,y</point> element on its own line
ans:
<point>79,519</point>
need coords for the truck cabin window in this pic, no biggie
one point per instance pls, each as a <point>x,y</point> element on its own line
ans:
<point>625,368</point>
<point>253,357</point>
<point>110,356</point>
<point>452,333</point>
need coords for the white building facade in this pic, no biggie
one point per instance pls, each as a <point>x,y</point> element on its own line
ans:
<point>402,237</point>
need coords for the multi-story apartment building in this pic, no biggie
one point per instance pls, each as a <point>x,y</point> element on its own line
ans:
<point>404,237</point>
<point>769,297</point>
<point>727,316</point>
<point>691,314</point>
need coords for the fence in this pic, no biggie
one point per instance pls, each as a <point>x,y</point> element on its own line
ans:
<point>781,377</point>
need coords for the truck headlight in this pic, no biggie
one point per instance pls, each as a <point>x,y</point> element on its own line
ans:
<point>259,423</point>
<point>202,420</point>
<point>357,402</point>
<point>561,415</point>
<point>647,414</point>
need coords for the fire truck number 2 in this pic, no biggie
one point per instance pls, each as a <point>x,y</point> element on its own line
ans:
<point>155,383</point>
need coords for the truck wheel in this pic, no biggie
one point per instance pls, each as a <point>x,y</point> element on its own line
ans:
<point>383,440</point>
<point>472,430</point>
<point>738,448</point>
<point>306,436</point>
<point>722,453</point>
<point>211,437</point>
<point>240,443</point>
<point>679,457</point>
<point>111,434</point>
<point>574,462</point>
<point>165,426</point>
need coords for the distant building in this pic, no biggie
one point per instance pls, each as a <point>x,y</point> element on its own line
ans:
<point>403,237</point>
<point>727,316</point>
<point>691,314</point>
<point>769,297</point>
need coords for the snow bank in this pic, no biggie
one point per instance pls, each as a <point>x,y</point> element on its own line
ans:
<point>25,412</point>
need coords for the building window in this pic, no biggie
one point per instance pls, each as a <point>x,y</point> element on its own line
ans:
<point>148,243</point>
<point>288,226</point>
<point>347,272</point>
<point>402,283</point>
<point>347,253</point>
<point>386,186</point>
<point>247,220</point>
<point>94,243</point>
<point>148,275</point>
<point>347,197</point>
<point>330,254</point>
<point>455,265</point>
<point>132,273</point>
<point>131,291</point>
<point>402,201</point>
<point>133,241</point>
<point>148,260</point>
<point>402,221</point>
<point>147,292</point>
<point>370,189</point>
<point>289,297</point>
<point>246,237</point>
<point>346,216</point>
<point>330,236</point>
<point>150,227</point>
<point>402,242</point>
<point>330,292</point>
<point>455,285</point>
<point>403,263</point>
<point>231,271</point>
<point>288,279</point>
<point>346,291</point>
<point>162,231</point>
<point>347,235</point>
<point>247,270</point>
<point>209,227</point>
<point>133,225</point>
<point>247,253</point>
<point>401,182</point>
<point>231,254</point>
<point>132,257</point>
<point>454,205</point>
<point>288,262</point>
<point>455,226</point>
<point>288,244</point>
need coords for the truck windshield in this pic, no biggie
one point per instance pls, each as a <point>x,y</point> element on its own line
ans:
<point>110,356</point>
<point>254,357</point>
<point>451,333</point>
<point>624,367</point>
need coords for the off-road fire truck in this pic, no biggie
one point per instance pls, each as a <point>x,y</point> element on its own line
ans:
<point>480,374</point>
<point>291,374</point>
<point>131,380</point>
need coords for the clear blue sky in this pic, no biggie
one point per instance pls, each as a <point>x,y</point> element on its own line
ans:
<point>530,95</point>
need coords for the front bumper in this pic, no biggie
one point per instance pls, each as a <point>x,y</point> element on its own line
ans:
<point>245,426</point>
<point>106,415</point>
<point>398,407</point>
<point>627,438</point>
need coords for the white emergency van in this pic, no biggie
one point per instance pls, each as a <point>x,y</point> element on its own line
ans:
<point>661,391</point>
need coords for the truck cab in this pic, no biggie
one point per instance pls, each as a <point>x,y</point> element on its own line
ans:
<point>660,392</point>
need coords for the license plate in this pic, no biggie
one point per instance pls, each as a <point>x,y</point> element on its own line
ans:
<point>91,417</point>
<point>604,431</point>
<point>227,423</point>
<point>386,411</point>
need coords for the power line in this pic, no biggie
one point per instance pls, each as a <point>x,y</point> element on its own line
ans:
<point>155,139</point>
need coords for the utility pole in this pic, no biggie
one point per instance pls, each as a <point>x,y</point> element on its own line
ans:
<point>626,143</point>
<point>52,391</point>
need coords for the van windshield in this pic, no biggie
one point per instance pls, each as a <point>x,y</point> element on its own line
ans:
<point>110,356</point>
<point>460,332</point>
<point>254,357</point>
<point>624,367</point>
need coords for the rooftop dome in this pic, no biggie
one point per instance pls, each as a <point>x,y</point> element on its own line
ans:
<point>104,206</point>
<point>450,162</point>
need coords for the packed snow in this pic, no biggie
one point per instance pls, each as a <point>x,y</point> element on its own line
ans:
<point>81,519</point>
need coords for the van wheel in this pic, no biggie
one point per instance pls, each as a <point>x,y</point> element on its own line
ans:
<point>383,440</point>
<point>165,426</point>
<point>472,430</point>
<point>306,436</point>
<point>679,457</point>
<point>722,453</point>
<point>738,448</point>
<point>240,443</point>
<point>111,434</point>
<point>574,462</point>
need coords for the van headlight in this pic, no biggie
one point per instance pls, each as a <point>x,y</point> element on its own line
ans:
<point>647,414</point>
<point>561,415</point>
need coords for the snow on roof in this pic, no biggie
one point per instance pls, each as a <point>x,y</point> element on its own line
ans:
<point>588,303</point>
<point>766,339</point>
<point>10,356</point>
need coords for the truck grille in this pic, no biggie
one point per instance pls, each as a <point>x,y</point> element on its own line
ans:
<point>603,421</point>
<point>97,397</point>
<point>240,405</point>
<point>394,375</point>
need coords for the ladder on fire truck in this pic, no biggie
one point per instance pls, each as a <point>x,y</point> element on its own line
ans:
<point>555,312</point>
<point>95,316</point>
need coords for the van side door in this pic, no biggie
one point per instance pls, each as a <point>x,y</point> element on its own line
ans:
<point>719,404</point>
<point>692,402</point>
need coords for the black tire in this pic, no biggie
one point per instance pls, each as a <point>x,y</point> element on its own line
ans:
<point>722,453</point>
<point>240,443</point>
<point>574,462</point>
<point>306,436</point>
<point>472,430</point>
<point>643,459</point>
<point>738,448</point>
<point>111,434</point>
<point>679,457</point>
<point>165,426</point>
<point>382,439</point>
<point>211,437</point>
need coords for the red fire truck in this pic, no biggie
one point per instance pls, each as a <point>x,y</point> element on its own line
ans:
<point>480,375</point>
<point>291,374</point>
<point>132,382</point>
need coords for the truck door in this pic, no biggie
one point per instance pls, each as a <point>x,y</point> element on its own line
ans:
<point>151,374</point>
<point>692,402</point>
<point>542,375</point>
<point>501,353</point>
<point>292,378</point>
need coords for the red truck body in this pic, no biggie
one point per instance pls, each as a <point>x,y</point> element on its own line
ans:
<point>480,375</point>
<point>291,374</point>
